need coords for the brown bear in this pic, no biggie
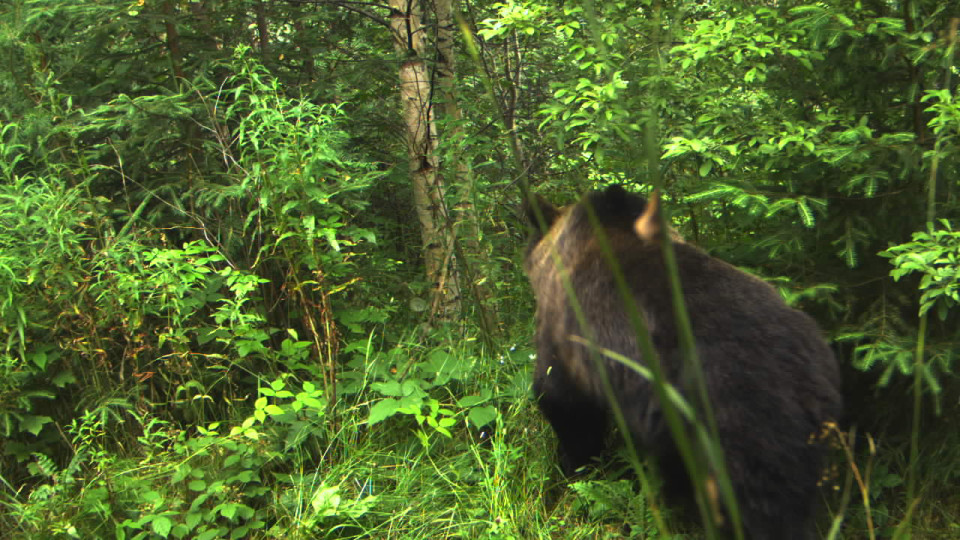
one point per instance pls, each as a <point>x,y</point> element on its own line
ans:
<point>772,381</point>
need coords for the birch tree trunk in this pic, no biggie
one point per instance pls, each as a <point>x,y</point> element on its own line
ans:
<point>406,25</point>
<point>466,225</point>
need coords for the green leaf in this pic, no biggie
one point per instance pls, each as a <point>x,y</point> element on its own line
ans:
<point>197,485</point>
<point>846,21</point>
<point>382,410</point>
<point>470,401</point>
<point>228,510</point>
<point>326,501</point>
<point>330,235</point>
<point>210,534</point>
<point>63,378</point>
<point>805,213</point>
<point>161,525</point>
<point>274,410</point>
<point>34,423</point>
<point>388,388</point>
<point>313,402</point>
<point>481,416</point>
<point>706,167</point>
<point>40,359</point>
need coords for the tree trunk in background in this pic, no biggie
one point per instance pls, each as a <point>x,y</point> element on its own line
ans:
<point>466,224</point>
<point>406,25</point>
<point>173,44</point>
<point>263,30</point>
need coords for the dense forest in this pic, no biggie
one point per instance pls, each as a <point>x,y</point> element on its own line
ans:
<point>261,261</point>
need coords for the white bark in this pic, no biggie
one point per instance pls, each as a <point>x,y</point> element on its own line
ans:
<point>408,32</point>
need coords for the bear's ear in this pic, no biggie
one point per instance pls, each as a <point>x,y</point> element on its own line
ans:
<point>548,212</point>
<point>647,226</point>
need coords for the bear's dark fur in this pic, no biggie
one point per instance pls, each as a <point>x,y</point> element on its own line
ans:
<point>772,381</point>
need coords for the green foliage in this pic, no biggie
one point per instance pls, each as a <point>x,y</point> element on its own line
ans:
<point>210,288</point>
<point>212,492</point>
<point>935,255</point>
<point>46,226</point>
<point>101,308</point>
<point>616,501</point>
<point>406,390</point>
<point>184,486</point>
<point>294,417</point>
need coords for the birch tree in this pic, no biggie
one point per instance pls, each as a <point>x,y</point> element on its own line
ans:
<point>406,25</point>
